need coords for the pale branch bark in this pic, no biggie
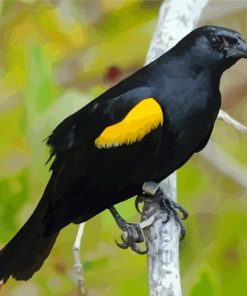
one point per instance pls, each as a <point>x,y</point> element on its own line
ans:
<point>1,284</point>
<point>77,260</point>
<point>176,19</point>
<point>223,115</point>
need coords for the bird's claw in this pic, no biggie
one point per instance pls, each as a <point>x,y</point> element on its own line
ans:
<point>171,208</point>
<point>139,199</point>
<point>152,191</point>
<point>123,244</point>
<point>131,236</point>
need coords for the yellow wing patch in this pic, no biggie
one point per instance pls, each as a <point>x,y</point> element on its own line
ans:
<point>146,116</point>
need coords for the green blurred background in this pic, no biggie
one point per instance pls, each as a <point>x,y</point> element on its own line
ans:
<point>57,55</point>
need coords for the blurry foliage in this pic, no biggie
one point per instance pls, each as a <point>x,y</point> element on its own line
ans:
<point>54,57</point>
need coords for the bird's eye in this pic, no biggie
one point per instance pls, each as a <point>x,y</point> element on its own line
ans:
<point>225,42</point>
<point>221,43</point>
<point>216,40</point>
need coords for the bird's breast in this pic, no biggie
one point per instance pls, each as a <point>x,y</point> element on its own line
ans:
<point>189,115</point>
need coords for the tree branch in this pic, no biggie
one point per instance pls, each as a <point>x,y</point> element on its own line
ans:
<point>176,19</point>
<point>223,115</point>
<point>1,284</point>
<point>77,265</point>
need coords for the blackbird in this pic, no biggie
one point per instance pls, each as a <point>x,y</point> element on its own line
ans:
<point>142,129</point>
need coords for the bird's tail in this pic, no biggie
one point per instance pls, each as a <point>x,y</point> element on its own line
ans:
<point>28,249</point>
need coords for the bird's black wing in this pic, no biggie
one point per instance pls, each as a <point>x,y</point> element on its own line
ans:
<point>82,126</point>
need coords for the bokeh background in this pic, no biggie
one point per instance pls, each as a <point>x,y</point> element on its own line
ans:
<point>57,55</point>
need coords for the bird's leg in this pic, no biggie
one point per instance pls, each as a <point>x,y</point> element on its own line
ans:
<point>132,233</point>
<point>152,191</point>
<point>149,190</point>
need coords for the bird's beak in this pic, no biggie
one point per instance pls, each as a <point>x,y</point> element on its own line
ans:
<point>239,51</point>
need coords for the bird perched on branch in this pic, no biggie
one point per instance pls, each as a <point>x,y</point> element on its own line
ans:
<point>142,129</point>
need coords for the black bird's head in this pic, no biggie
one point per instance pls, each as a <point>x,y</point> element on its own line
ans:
<point>213,47</point>
<point>223,43</point>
